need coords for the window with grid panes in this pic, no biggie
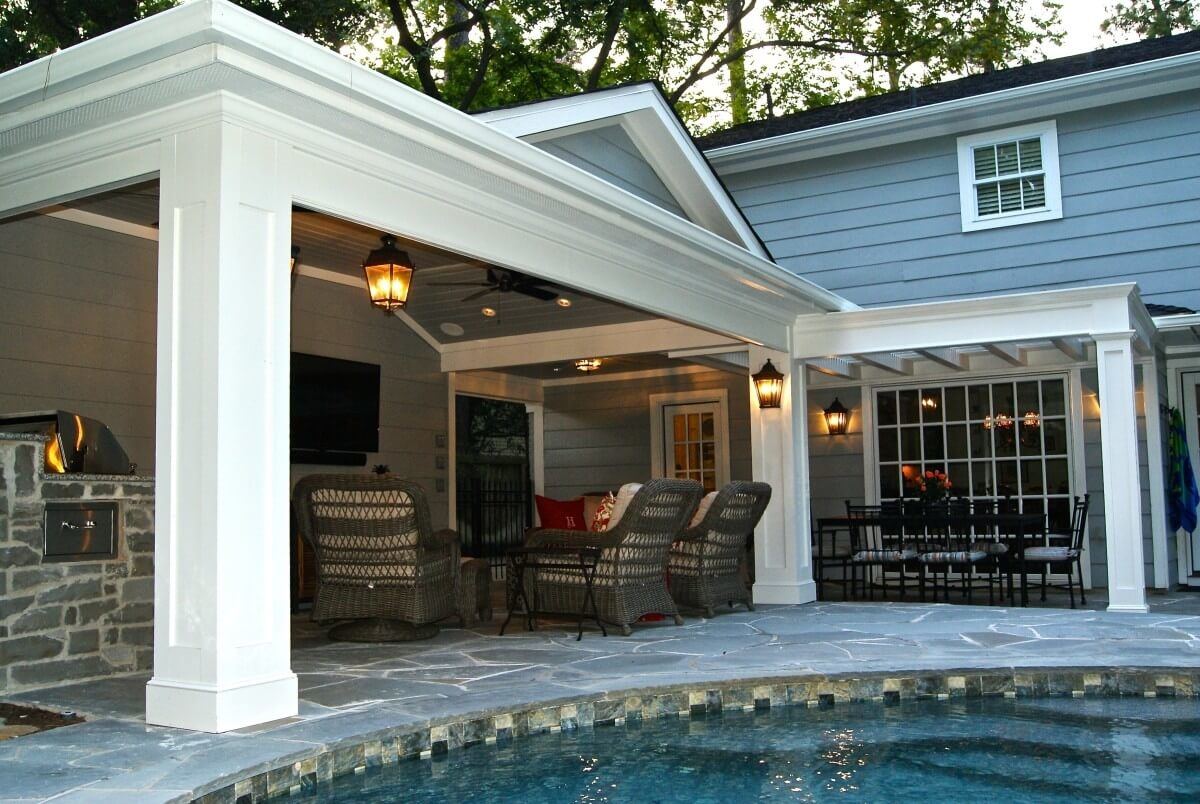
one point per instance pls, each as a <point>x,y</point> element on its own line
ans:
<point>1009,177</point>
<point>995,439</point>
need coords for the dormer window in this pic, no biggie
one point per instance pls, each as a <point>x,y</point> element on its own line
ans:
<point>1009,177</point>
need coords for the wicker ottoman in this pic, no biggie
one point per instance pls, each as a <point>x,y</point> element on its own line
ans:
<point>475,592</point>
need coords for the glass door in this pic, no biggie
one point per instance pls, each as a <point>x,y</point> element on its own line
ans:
<point>692,446</point>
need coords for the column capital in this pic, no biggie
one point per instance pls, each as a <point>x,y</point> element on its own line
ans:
<point>1114,336</point>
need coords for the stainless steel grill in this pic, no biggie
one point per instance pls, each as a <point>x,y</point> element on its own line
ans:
<point>77,444</point>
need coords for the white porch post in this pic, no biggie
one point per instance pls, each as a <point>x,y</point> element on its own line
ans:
<point>782,550</point>
<point>221,626</point>
<point>1122,486</point>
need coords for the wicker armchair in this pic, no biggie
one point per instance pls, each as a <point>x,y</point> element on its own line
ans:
<point>630,577</point>
<point>706,561</point>
<point>378,560</point>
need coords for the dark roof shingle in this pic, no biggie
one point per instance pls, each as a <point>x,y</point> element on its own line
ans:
<point>1024,75</point>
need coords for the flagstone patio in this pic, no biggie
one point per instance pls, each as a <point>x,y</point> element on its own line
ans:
<point>352,691</point>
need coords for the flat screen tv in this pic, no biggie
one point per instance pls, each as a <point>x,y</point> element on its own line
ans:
<point>335,404</point>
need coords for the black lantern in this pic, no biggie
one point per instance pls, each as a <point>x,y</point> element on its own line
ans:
<point>837,417</point>
<point>389,276</point>
<point>768,384</point>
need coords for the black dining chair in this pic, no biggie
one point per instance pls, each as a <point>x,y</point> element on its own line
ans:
<point>877,540</point>
<point>1066,557</point>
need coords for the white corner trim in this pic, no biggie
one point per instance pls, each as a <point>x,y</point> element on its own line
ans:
<point>1047,133</point>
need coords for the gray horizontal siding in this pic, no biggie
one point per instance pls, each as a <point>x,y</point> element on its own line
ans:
<point>882,226</point>
<point>835,462</point>
<point>597,435</point>
<point>610,154</point>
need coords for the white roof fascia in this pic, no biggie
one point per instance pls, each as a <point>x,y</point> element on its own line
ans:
<point>1129,82</point>
<point>645,116</point>
<point>1166,323</point>
<point>177,40</point>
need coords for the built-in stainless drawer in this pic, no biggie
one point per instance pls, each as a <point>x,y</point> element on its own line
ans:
<point>80,531</point>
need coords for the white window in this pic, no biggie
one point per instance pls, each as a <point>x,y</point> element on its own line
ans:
<point>689,434</point>
<point>1009,177</point>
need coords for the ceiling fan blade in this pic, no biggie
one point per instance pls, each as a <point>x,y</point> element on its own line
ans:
<point>541,294</point>
<point>458,284</point>
<point>483,292</point>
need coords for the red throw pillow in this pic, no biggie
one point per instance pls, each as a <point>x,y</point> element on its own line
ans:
<point>560,514</point>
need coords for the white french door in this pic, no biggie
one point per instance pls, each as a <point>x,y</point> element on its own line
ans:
<point>693,446</point>
<point>1190,395</point>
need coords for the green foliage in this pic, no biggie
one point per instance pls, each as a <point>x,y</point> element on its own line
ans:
<point>30,29</point>
<point>1152,18</point>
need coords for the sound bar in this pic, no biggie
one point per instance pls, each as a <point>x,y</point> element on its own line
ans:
<point>320,457</point>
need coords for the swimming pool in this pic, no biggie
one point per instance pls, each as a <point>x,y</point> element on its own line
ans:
<point>1043,750</point>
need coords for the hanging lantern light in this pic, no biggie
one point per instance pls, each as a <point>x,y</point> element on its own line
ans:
<point>389,274</point>
<point>837,417</point>
<point>768,385</point>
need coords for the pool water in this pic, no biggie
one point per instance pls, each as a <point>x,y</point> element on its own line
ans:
<point>1049,750</point>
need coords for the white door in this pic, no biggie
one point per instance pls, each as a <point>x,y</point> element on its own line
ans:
<point>1190,387</point>
<point>693,446</point>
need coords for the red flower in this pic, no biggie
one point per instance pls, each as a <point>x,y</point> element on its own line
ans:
<point>929,474</point>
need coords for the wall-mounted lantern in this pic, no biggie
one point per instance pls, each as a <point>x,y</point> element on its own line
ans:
<point>837,418</point>
<point>389,276</point>
<point>768,385</point>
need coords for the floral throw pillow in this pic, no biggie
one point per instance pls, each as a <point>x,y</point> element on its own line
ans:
<point>603,513</point>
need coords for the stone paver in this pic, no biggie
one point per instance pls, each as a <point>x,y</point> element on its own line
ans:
<point>349,691</point>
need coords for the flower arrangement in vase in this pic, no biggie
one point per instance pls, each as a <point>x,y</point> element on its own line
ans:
<point>932,486</point>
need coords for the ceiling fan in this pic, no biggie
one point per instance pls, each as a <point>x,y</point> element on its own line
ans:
<point>504,280</point>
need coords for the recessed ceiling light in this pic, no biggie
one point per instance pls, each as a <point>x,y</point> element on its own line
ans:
<point>451,329</point>
<point>562,301</point>
<point>489,312</point>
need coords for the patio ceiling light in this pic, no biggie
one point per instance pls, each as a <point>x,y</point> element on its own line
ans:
<point>389,274</point>
<point>588,364</point>
<point>837,417</point>
<point>488,312</point>
<point>563,302</point>
<point>768,385</point>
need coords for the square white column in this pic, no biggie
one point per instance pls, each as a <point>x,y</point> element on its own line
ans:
<point>221,620</point>
<point>783,540</point>
<point>1122,484</point>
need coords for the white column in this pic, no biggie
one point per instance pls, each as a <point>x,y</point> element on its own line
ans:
<point>1122,486</point>
<point>221,622</point>
<point>783,542</point>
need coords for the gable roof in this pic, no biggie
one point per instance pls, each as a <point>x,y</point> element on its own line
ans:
<point>644,114</point>
<point>1106,75</point>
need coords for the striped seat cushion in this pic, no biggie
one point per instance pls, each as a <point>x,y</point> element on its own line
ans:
<point>952,557</point>
<point>991,548</point>
<point>1050,554</point>
<point>906,554</point>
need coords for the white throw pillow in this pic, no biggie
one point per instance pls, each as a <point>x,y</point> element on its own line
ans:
<point>702,509</point>
<point>624,497</point>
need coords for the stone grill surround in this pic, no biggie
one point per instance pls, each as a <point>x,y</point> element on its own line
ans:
<point>71,621</point>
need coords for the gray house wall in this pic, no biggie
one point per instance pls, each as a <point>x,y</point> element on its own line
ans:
<point>610,154</point>
<point>77,332</point>
<point>883,225</point>
<point>597,435</point>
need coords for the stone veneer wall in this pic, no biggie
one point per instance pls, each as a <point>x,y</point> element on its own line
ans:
<point>63,622</point>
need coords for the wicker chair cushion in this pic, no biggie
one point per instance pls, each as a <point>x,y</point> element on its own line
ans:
<point>1050,554</point>
<point>705,503</point>
<point>991,548</point>
<point>907,554</point>
<point>952,557</point>
<point>624,497</point>
<point>560,514</point>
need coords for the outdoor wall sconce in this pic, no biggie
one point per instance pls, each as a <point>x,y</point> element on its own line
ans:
<point>768,385</point>
<point>389,276</point>
<point>837,418</point>
<point>587,364</point>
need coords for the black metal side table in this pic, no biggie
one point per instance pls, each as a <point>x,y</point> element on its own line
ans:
<point>581,560</point>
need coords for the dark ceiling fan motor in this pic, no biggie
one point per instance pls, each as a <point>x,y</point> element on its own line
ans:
<point>504,280</point>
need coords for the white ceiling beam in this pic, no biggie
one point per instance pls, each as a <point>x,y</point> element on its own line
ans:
<point>834,367</point>
<point>1073,348</point>
<point>720,364</point>
<point>1009,353</point>
<point>888,362</point>
<point>638,337</point>
<point>948,357</point>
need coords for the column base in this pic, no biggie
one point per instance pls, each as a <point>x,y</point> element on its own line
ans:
<point>200,707</point>
<point>1128,608</point>
<point>785,594</point>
